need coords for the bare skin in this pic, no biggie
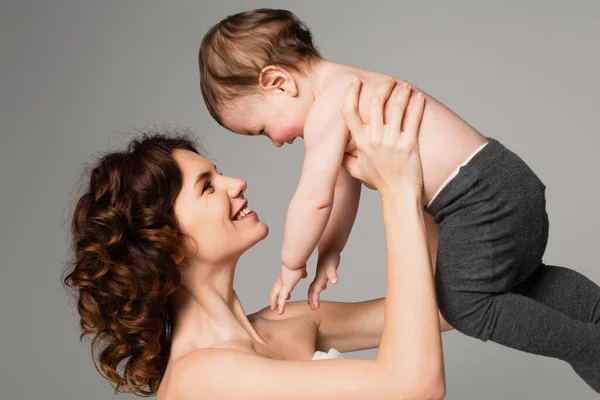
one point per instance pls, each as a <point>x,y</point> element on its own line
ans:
<point>322,211</point>
<point>300,331</point>
<point>219,352</point>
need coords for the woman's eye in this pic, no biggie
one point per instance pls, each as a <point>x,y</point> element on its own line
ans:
<point>206,186</point>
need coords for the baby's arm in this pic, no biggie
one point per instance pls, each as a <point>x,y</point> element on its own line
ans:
<point>333,240</point>
<point>325,138</point>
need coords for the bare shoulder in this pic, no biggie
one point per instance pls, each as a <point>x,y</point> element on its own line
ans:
<point>225,373</point>
<point>184,377</point>
<point>290,336</point>
<point>332,93</point>
<point>325,114</point>
<point>174,384</point>
<point>326,110</point>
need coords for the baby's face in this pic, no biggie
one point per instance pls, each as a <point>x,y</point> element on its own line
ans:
<point>279,117</point>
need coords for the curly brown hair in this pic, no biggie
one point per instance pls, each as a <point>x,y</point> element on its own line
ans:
<point>234,52</point>
<point>125,238</point>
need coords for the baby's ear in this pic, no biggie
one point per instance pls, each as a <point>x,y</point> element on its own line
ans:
<point>277,80</point>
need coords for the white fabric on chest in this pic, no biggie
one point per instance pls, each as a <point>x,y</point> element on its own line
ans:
<point>330,355</point>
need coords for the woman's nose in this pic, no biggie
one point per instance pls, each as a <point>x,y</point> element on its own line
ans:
<point>237,187</point>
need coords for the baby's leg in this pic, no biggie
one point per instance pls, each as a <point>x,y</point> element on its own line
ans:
<point>525,324</point>
<point>564,290</point>
<point>483,273</point>
<point>554,312</point>
<point>572,294</point>
<point>493,231</point>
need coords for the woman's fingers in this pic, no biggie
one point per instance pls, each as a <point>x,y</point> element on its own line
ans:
<point>350,111</point>
<point>387,158</point>
<point>378,100</point>
<point>350,163</point>
<point>398,105</point>
<point>414,114</point>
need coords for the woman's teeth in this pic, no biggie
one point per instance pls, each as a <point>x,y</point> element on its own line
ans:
<point>245,211</point>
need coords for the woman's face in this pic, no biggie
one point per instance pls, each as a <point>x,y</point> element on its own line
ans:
<point>212,211</point>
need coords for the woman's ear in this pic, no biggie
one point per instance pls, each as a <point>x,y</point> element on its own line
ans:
<point>277,80</point>
<point>178,257</point>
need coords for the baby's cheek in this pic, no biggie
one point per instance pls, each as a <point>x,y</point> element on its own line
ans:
<point>292,132</point>
<point>299,126</point>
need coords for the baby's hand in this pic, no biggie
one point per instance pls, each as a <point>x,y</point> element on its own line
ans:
<point>326,271</point>
<point>282,289</point>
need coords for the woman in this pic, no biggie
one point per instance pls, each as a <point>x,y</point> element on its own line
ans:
<point>157,238</point>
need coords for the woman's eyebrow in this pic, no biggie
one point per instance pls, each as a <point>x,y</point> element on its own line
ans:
<point>201,177</point>
<point>204,175</point>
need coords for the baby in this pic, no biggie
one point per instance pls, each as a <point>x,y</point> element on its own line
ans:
<point>261,75</point>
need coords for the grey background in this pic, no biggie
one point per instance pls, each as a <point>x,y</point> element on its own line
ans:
<point>77,76</point>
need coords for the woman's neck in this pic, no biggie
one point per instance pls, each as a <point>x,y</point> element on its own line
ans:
<point>208,312</point>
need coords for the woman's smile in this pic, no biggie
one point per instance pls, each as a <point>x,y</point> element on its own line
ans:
<point>244,213</point>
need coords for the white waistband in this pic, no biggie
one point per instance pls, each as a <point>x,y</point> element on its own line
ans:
<point>455,172</point>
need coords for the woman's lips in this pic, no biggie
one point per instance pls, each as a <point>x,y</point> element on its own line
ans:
<point>244,213</point>
<point>251,214</point>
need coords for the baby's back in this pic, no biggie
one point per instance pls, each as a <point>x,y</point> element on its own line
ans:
<point>445,139</point>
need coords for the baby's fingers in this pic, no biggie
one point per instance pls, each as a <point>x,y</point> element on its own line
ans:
<point>331,271</point>
<point>274,295</point>
<point>284,295</point>
<point>316,287</point>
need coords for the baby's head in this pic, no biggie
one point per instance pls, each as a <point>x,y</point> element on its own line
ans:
<point>254,73</point>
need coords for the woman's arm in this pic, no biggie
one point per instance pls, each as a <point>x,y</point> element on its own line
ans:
<point>408,363</point>
<point>358,326</point>
<point>391,161</point>
<point>353,326</point>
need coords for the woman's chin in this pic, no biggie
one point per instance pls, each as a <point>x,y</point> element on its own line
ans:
<point>259,233</point>
<point>264,228</point>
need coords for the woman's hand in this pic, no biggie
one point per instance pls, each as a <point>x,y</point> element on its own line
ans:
<point>387,158</point>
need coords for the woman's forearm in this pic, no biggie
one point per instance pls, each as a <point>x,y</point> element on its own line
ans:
<point>411,332</point>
